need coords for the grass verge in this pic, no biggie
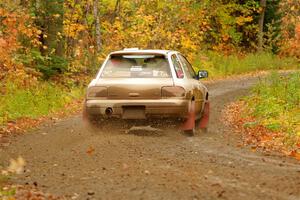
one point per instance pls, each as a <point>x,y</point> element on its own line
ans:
<point>270,116</point>
<point>219,65</point>
<point>34,102</point>
<point>275,103</point>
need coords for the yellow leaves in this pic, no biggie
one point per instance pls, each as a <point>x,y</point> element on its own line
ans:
<point>39,32</point>
<point>188,44</point>
<point>292,8</point>
<point>56,15</point>
<point>16,166</point>
<point>72,20</point>
<point>73,29</point>
<point>241,20</point>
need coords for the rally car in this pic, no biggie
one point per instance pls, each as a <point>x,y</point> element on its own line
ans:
<point>141,84</point>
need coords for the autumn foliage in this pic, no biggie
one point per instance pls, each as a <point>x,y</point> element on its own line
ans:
<point>48,38</point>
<point>290,28</point>
<point>15,25</point>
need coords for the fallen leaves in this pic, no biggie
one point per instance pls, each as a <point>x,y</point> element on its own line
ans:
<point>17,166</point>
<point>25,192</point>
<point>295,154</point>
<point>29,191</point>
<point>20,125</point>
<point>147,172</point>
<point>90,150</point>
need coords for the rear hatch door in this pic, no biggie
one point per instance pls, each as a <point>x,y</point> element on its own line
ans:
<point>134,88</point>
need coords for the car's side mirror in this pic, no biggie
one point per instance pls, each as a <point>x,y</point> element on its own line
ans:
<point>202,74</point>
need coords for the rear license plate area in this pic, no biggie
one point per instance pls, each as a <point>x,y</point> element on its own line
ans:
<point>134,112</point>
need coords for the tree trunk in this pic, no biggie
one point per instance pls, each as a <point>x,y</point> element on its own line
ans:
<point>117,8</point>
<point>263,4</point>
<point>51,25</point>
<point>97,27</point>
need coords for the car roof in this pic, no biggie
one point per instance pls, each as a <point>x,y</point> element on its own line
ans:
<point>144,51</point>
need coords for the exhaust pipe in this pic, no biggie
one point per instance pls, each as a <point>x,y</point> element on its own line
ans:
<point>108,111</point>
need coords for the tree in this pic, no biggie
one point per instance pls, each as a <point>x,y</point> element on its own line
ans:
<point>263,4</point>
<point>97,26</point>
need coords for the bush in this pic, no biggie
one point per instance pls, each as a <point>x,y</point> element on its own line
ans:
<point>47,65</point>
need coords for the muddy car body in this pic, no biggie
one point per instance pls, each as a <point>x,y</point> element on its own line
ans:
<point>140,84</point>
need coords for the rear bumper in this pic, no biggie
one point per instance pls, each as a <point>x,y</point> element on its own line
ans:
<point>153,108</point>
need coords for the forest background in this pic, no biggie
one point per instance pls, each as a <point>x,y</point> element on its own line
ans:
<point>50,49</point>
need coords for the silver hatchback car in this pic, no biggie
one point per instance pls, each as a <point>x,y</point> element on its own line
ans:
<point>140,84</point>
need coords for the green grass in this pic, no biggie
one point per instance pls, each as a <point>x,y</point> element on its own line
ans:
<point>219,65</point>
<point>33,102</point>
<point>7,194</point>
<point>275,103</point>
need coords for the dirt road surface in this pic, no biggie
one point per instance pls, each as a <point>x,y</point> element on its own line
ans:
<point>66,158</point>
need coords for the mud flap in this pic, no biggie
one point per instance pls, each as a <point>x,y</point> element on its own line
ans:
<point>189,123</point>
<point>205,118</point>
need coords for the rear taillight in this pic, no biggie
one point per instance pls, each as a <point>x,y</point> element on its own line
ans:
<point>172,91</point>
<point>97,92</point>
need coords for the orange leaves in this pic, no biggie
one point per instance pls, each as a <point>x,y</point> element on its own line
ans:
<point>3,43</point>
<point>291,46</point>
<point>8,41</point>
<point>295,154</point>
<point>15,24</point>
<point>90,150</point>
<point>290,26</point>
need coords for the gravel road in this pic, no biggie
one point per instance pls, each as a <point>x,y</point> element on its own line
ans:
<point>66,158</point>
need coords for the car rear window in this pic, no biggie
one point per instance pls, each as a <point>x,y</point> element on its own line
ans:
<point>136,66</point>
